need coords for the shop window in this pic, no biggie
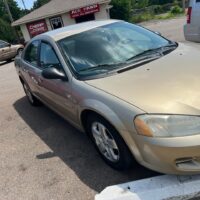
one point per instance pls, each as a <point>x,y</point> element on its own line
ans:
<point>56,22</point>
<point>85,18</point>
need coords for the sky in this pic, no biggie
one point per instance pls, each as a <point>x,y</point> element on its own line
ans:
<point>28,3</point>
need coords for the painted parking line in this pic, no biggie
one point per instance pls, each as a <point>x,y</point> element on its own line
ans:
<point>166,187</point>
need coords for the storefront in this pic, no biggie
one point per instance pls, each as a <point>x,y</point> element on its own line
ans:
<point>60,13</point>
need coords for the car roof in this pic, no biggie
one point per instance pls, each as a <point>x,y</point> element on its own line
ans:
<point>70,30</point>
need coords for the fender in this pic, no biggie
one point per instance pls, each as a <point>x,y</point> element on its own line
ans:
<point>103,110</point>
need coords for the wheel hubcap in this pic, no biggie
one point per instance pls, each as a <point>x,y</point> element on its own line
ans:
<point>105,142</point>
<point>28,93</point>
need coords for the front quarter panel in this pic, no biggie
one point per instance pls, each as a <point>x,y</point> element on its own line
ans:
<point>118,112</point>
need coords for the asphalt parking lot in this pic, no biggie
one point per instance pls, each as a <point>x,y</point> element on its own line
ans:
<point>42,156</point>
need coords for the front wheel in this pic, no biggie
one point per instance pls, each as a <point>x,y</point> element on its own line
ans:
<point>109,143</point>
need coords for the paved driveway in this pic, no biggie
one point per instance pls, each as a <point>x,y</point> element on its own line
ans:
<point>42,156</point>
<point>172,28</point>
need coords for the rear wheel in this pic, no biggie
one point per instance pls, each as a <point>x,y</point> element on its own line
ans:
<point>109,143</point>
<point>32,100</point>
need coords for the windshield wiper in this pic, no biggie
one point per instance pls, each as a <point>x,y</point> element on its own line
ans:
<point>149,53</point>
<point>102,67</point>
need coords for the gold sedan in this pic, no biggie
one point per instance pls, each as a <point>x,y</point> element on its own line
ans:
<point>134,92</point>
<point>8,51</point>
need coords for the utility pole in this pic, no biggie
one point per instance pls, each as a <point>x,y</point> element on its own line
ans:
<point>11,18</point>
<point>183,5</point>
<point>8,10</point>
<point>24,5</point>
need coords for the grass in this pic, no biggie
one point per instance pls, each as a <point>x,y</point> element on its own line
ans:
<point>151,16</point>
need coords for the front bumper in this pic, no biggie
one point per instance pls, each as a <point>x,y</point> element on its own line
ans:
<point>180,155</point>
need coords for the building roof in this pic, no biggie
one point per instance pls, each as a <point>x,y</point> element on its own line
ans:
<point>74,29</point>
<point>55,7</point>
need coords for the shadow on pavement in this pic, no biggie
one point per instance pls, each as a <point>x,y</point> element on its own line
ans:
<point>5,62</point>
<point>74,148</point>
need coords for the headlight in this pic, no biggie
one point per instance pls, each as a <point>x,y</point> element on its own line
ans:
<point>167,125</point>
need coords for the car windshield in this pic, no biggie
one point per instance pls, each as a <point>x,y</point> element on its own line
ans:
<point>103,49</point>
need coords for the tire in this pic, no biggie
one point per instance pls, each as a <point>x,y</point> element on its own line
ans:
<point>31,98</point>
<point>112,147</point>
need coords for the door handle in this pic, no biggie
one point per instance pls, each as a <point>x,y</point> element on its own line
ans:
<point>40,80</point>
<point>25,70</point>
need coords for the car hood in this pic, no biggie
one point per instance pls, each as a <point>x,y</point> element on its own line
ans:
<point>18,45</point>
<point>170,84</point>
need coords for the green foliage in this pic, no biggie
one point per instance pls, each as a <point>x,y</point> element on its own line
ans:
<point>39,3</point>
<point>142,17</point>
<point>158,9</point>
<point>176,10</point>
<point>6,32</point>
<point>140,4</point>
<point>121,9</point>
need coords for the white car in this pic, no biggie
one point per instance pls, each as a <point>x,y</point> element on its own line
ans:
<point>192,28</point>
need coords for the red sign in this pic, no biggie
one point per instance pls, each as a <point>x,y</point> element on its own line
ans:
<point>85,11</point>
<point>37,28</point>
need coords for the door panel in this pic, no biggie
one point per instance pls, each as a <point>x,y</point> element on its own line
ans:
<point>30,65</point>
<point>196,14</point>
<point>56,93</point>
<point>4,52</point>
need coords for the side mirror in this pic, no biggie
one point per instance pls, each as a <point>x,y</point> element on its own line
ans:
<point>9,45</point>
<point>53,73</point>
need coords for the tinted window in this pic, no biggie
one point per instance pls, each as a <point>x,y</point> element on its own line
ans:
<point>48,57</point>
<point>3,44</point>
<point>31,54</point>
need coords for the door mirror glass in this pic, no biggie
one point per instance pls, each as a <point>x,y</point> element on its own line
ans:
<point>54,73</point>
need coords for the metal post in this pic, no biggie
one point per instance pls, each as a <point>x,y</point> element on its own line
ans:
<point>8,10</point>
<point>183,5</point>
<point>11,18</point>
<point>24,5</point>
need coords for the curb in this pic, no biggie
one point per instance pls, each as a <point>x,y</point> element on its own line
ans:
<point>167,187</point>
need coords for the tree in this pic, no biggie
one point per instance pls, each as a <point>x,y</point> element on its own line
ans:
<point>39,3</point>
<point>121,9</point>
<point>6,31</point>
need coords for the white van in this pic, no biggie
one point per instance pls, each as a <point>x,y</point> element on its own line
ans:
<point>192,28</point>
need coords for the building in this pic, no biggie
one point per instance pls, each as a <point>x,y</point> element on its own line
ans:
<point>60,13</point>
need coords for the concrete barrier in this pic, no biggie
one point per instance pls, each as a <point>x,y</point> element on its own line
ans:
<point>166,187</point>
